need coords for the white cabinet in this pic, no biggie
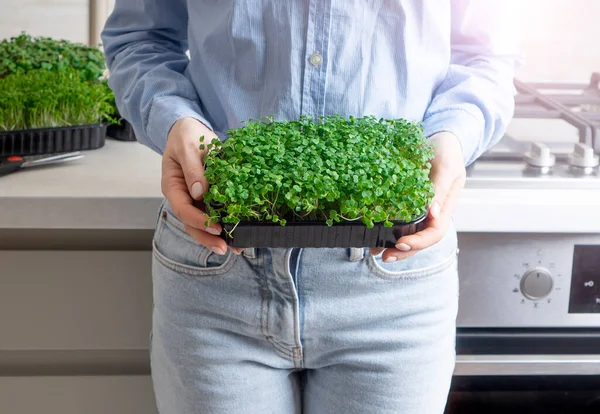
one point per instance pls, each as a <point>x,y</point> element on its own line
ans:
<point>77,395</point>
<point>61,300</point>
<point>74,329</point>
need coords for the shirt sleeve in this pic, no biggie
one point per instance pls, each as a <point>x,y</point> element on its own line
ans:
<point>475,101</point>
<point>145,45</point>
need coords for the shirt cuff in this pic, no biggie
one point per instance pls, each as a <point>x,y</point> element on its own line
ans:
<point>165,112</point>
<point>466,126</point>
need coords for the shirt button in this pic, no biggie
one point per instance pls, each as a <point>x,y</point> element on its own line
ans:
<point>316,59</point>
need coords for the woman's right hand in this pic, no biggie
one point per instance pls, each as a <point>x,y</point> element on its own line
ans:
<point>183,181</point>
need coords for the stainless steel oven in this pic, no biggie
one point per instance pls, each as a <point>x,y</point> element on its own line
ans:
<point>529,316</point>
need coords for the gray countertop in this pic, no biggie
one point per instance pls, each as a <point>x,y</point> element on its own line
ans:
<point>113,187</point>
<point>118,187</point>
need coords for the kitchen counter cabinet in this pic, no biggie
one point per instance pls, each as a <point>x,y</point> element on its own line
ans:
<point>75,284</point>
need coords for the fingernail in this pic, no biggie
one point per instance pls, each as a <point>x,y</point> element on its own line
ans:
<point>212,231</point>
<point>403,247</point>
<point>435,209</point>
<point>197,190</point>
<point>217,250</point>
<point>391,259</point>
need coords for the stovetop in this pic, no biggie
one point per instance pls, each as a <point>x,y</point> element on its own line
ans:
<point>552,142</point>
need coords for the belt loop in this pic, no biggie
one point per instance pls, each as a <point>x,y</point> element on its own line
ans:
<point>356,254</point>
<point>249,252</point>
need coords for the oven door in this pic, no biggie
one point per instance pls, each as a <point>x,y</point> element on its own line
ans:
<point>526,370</point>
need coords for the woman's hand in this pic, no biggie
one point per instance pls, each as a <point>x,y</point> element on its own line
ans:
<point>448,176</point>
<point>183,182</point>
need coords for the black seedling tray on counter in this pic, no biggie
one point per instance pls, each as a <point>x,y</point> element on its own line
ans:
<point>122,131</point>
<point>319,234</point>
<point>52,140</point>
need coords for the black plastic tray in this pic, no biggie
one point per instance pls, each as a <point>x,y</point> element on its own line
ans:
<point>52,140</point>
<point>317,234</point>
<point>122,131</point>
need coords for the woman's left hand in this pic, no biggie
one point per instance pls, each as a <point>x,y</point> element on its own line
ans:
<point>448,175</point>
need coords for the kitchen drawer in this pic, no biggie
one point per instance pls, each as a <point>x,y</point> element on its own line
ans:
<point>77,395</point>
<point>79,300</point>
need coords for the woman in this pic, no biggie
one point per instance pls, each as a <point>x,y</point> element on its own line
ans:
<point>306,330</point>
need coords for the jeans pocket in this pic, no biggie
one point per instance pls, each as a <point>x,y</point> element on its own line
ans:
<point>410,268</point>
<point>428,262</point>
<point>177,250</point>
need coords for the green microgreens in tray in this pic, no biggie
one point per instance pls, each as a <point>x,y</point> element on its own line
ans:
<point>336,169</point>
<point>44,99</point>
<point>24,53</point>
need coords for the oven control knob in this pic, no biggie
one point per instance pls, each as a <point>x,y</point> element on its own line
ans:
<point>540,156</point>
<point>537,283</point>
<point>583,157</point>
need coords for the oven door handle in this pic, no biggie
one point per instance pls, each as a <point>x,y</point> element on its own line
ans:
<point>488,365</point>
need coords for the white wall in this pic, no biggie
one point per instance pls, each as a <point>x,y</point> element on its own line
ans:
<point>561,38</point>
<point>67,19</point>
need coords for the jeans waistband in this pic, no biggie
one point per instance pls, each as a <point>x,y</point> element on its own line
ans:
<point>354,253</point>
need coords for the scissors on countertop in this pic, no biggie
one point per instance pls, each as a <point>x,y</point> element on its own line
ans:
<point>14,163</point>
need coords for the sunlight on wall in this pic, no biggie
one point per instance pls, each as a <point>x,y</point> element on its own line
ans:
<point>560,39</point>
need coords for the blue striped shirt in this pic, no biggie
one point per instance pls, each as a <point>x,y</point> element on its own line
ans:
<point>447,63</point>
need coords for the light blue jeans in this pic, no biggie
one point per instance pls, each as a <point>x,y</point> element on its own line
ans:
<point>288,331</point>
